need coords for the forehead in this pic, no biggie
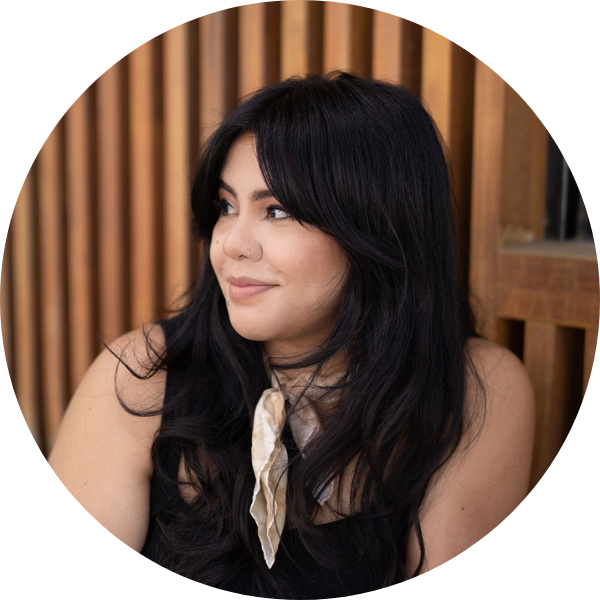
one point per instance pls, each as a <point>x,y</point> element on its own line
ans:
<point>241,159</point>
<point>241,175</point>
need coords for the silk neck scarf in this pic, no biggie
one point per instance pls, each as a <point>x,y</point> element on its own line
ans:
<point>269,455</point>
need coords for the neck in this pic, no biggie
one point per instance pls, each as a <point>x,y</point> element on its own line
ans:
<point>283,355</point>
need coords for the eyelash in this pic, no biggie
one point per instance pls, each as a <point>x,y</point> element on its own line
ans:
<point>221,207</point>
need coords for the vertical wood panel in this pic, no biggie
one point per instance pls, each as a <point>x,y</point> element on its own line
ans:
<point>337,42</point>
<point>258,46</point>
<point>195,138</point>
<point>80,239</point>
<point>411,47</point>
<point>177,142</point>
<point>26,323</point>
<point>387,43</point>
<point>540,357</point>
<point>523,198</point>
<point>301,38</point>
<point>591,338</point>
<point>549,355</point>
<point>143,193</point>
<point>53,292</point>
<point>447,88</point>
<point>397,50</point>
<point>113,309</point>
<point>436,84</point>
<point>218,68</point>
<point>488,152</point>
<point>347,41</point>
<point>6,306</point>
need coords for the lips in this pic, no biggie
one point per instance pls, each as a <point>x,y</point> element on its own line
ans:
<point>246,287</point>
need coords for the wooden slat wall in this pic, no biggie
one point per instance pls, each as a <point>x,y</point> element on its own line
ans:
<point>100,240</point>
<point>551,288</point>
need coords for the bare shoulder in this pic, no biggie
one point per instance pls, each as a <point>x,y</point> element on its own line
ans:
<point>102,453</point>
<point>117,384</point>
<point>494,359</point>
<point>499,419</point>
<point>488,475</point>
<point>121,376</point>
<point>497,386</point>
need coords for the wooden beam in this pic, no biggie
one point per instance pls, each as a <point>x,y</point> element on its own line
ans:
<point>524,182</point>
<point>397,50</point>
<point>80,239</point>
<point>259,41</point>
<point>113,270</point>
<point>53,283</point>
<point>551,358</point>
<point>535,282</point>
<point>25,309</point>
<point>348,38</point>
<point>488,153</point>
<point>301,38</point>
<point>591,339</point>
<point>176,204</point>
<point>143,193</point>
<point>218,68</point>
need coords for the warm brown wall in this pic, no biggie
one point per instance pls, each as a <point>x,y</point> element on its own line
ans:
<point>99,242</point>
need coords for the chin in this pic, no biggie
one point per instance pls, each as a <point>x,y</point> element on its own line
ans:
<point>252,336</point>
<point>254,333</point>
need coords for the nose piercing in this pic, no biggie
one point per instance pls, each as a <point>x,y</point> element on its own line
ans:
<point>247,255</point>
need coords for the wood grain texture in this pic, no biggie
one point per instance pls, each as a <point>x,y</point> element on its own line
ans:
<point>54,340</point>
<point>545,286</point>
<point>397,50</point>
<point>301,38</point>
<point>111,189</point>
<point>486,195</point>
<point>550,357</point>
<point>591,339</point>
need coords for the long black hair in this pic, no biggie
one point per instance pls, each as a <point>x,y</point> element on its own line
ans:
<point>362,161</point>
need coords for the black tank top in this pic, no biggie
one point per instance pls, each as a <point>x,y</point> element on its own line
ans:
<point>294,564</point>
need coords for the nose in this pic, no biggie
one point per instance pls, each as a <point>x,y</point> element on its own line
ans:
<point>241,241</point>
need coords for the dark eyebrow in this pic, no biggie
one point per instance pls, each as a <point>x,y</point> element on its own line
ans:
<point>257,195</point>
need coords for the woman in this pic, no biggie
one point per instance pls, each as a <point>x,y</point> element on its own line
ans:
<point>320,420</point>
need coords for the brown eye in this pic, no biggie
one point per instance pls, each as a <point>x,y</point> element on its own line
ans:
<point>223,207</point>
<point>277,213</point>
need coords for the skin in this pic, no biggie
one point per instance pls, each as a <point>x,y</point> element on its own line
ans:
<point>488,476</point>
<point>102,453</point>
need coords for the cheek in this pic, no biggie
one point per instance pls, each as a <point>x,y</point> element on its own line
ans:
<point>314,261</point>
<point>327,259</point>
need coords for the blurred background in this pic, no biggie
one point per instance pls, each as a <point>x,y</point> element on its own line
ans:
<point>100,240</point>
